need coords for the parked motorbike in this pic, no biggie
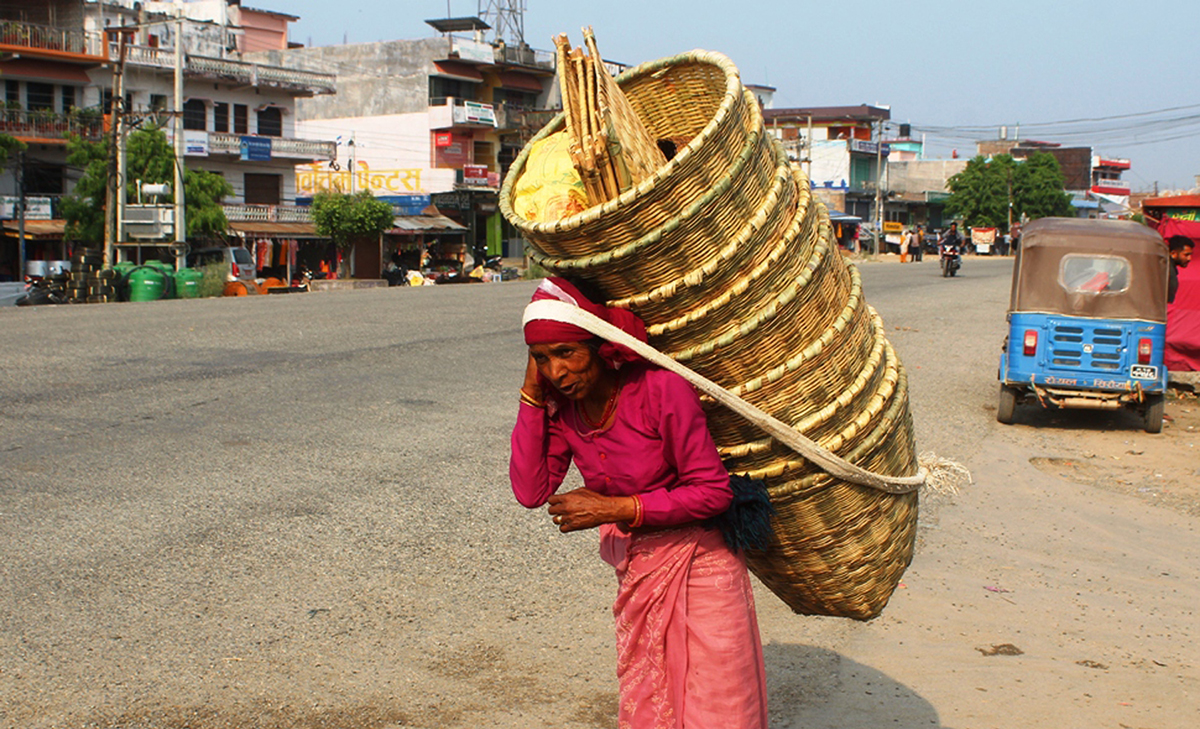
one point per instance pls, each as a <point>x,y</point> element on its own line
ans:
<point>494,262</point>
<point>951,260</point>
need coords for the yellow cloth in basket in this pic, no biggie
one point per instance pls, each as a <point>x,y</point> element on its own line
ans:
<point>550,187</point>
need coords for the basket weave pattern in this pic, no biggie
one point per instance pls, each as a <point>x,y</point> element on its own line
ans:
<point>733,266</point>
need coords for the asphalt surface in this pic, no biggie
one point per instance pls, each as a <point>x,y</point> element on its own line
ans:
<point>293,511</point>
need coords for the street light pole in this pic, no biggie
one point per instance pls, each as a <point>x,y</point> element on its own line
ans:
<point>180,223</point>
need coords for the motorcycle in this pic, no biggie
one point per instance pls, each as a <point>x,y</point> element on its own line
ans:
<point>951,260</point>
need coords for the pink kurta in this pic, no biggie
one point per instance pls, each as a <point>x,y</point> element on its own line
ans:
<point>689,654</point>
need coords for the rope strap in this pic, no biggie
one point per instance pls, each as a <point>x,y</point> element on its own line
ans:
<point>831,463</point>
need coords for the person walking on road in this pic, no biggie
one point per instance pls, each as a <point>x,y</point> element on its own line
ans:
<point>914,244</point>
<point>688,648</point>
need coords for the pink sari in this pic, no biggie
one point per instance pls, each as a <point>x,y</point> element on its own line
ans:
<point>688,651</point>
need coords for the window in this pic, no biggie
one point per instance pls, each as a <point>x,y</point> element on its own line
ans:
<point>241,119</point>
<point>270,122</point>
<point>68,98</point>
<point>39,96</point>
<point>44,179</point>
<point>194,114</point>
<point>1084,274</point>
<point>158,102</point>
<point>220,117</point>
<point>263,189</point>
<point>440,88</point>
<point>12,92</point>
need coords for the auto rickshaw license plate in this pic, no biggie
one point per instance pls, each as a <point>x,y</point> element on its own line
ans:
<point>1143,372</point>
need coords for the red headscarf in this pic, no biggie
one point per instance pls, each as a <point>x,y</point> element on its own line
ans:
<point>544,331</point>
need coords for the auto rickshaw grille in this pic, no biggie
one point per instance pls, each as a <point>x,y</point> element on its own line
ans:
<point>1080,347</point>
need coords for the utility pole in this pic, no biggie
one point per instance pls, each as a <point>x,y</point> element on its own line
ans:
<point>878,186</point>
<point>20,216</point>
<point>351,146</point>
<point>180,227</point>
<point>808,147</point>
<point>116,141</point>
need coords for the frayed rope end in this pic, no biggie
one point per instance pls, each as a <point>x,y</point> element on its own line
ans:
<point>943,476</point>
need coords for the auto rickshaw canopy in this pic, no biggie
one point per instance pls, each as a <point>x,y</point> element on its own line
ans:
<point>1102,269</point>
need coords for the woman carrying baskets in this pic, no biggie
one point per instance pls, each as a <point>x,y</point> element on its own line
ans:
<point>688,648</point>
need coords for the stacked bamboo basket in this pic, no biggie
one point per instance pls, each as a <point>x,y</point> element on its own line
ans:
<point>733,265</point>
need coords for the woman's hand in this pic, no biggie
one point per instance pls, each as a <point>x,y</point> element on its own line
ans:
<point>586,509</point>
<point>532,386</point>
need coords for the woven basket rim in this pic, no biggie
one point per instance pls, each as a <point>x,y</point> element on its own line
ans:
<point>733,89</point>
<point>701,274</point>
<point>697,207</point>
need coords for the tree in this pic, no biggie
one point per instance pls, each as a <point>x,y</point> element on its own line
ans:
<point>8,147</point>
<point>1038,187</point>
<point>982,192</point>
<point>149,158</point>
<point>979,194</point>
<point>350,218</point>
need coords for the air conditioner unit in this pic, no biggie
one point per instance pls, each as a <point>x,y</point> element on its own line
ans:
<point>149,222</point>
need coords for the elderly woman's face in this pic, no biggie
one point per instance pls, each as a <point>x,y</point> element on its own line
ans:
<point>571,367</point>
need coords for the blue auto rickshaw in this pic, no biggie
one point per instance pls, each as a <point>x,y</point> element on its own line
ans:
<point>1087,319</point>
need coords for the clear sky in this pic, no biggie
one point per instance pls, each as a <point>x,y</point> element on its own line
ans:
<point>1115,75</point>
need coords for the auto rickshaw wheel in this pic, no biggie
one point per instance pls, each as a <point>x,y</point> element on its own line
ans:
<point>1008,405</point>
<point>1154,414</point>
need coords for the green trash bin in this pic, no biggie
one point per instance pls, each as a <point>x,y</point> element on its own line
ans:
<point>187,283</point>
<point>147,283</point>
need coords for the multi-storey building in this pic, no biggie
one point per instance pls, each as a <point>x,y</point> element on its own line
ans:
<point>238,116</point>
<point>840,150</point>
<point>45,65</point>
<point>434,121</point>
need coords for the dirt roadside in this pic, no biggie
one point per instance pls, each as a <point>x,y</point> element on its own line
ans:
<point>1106,452</point>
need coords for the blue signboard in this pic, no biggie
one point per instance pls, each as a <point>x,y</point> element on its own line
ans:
<point>256,149</point>
<point>407,204</point>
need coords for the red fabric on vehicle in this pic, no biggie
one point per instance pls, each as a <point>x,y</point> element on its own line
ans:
<point>1183,315</point>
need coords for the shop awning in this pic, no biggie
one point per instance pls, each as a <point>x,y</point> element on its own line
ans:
<point>408,224</point>
<point>519,82</point>
<point>49,229</point>
<point>49,70</point>
<point>460,71</point>
<point>252,229</point>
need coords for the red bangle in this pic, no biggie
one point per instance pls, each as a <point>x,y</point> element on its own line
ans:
<point>638,513</point>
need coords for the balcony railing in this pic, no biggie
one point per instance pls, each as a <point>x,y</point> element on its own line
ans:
<point>240,213</point>
<point>145,56</point>
<point>309,149</point>
<point>254,74</point>
<point>42,37</point>
<point>250,74</point>
<point>48,125</point>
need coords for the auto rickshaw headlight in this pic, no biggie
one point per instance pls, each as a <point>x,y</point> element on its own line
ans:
<point>1030,342</point>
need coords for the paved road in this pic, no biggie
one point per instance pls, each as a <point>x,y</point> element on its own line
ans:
<point>294,512</point>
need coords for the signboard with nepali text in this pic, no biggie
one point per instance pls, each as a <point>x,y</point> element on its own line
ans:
<point>256,149</point>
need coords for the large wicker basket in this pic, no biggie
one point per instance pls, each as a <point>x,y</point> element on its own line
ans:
<point>732,264</point>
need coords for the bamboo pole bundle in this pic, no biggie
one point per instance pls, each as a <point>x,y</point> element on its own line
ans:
<point>610,146</point>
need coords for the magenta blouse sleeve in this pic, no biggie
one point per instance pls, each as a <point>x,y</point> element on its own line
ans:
<point>703,484</point>
<point>540,458</point>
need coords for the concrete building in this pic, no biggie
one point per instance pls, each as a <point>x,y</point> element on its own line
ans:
<point>239,116</point>
<point>427,122</point>
<point>45,65</point>
<point>841,155</point>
